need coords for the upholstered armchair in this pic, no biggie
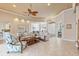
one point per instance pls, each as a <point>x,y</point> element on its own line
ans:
<point>12,44</point>
<point>44,36</point>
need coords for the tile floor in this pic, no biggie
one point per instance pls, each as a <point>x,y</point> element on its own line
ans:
<point>53,47</point>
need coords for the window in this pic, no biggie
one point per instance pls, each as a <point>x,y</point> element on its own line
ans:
<point>38,26</point>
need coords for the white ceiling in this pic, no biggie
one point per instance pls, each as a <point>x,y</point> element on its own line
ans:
<point>43,8</point>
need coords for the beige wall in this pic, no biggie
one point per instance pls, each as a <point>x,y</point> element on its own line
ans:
<point>66,17</point>
<point>9,18</point>
<point>70,18</point>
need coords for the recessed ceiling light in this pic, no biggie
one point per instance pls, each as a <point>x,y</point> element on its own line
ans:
<point>48,4</point>
<point>16,19</point>
<point>22,21</point>
<point>28,21</point>
<point>14,5</point>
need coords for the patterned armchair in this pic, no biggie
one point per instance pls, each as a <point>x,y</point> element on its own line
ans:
<point>12,44</point>
<point>44,36</point>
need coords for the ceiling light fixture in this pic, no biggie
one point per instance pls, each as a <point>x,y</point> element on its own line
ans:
<point>16,19</point>
<point>28,21</point>
<point>22,21</point>
<point>14,5</point>
<point>48,4</point>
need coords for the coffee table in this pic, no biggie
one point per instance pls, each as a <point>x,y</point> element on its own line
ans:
<point>30,40</point>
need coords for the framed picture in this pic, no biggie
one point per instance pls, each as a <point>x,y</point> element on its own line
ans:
<point>69,26</point>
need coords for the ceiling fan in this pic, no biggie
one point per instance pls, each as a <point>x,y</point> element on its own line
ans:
<point>31,12</point>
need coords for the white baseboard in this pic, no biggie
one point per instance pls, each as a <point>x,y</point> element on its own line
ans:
<point>69,40</point>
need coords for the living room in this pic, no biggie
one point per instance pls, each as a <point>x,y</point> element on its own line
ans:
<point>38,29</point>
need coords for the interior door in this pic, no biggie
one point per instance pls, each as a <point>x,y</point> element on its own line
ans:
<point>78,35</point>
<point>78,30</point>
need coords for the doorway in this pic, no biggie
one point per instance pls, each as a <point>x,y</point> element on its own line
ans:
<point>77,43</point>
<point>52,29</point>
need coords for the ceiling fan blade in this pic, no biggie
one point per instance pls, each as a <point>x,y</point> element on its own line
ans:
<point>29,10</point>
<point>35,12</point>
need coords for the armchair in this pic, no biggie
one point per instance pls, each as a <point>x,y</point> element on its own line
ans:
<point>12,44</point>
<point>44,36</point>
